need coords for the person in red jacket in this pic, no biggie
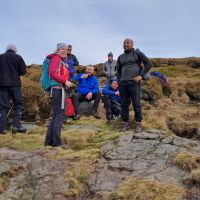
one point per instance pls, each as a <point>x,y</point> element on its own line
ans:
<point>60,77</point>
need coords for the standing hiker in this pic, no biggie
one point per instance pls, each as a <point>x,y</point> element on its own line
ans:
<point>12,66</point>
<point>72,61</point>
<point>129,75</point>
<point>109,67</point>
<point>59,78</point>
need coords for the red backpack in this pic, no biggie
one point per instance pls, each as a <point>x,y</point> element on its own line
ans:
<point>69,109</point>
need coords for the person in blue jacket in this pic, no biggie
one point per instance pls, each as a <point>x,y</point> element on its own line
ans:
<point>71,61</point>
<point>87,90</point>
<point>159,75</point>
<point>111,99</point>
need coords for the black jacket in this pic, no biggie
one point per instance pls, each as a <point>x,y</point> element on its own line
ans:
<point>128,65</point>
<point>12,66</point>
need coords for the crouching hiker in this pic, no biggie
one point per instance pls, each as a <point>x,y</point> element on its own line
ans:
<point>111,100</point>
<point>12,67</point>
<point>59,76</point>
<point>88,90</point>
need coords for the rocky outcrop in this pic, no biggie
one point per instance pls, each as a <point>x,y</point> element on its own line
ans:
<point>41,178</point>
<point>148,155</point>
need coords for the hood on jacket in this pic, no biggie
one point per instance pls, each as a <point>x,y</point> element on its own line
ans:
<point>55,54</point>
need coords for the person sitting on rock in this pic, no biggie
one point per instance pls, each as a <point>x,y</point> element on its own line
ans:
<point>111,99</point>
<point>87,90</point>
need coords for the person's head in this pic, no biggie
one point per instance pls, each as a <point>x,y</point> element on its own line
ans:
<point>128,44</point>
<point>110,57</point>
<point>62,49</point>
<point>69,49</point>
<point>113,83</point>
<point>11,47</point>
<point>89,70</point>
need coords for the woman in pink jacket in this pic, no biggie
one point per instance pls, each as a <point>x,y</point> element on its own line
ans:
<point>59,75</point>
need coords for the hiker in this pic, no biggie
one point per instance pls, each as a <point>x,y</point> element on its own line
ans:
<point>59,81</point>
<point>161,77</point>
<point>71,61</point>
<point>129,75</point>
<point>88,90</point>
<point>12,67</point>
<point>111,100</point>
<point>109,67</point>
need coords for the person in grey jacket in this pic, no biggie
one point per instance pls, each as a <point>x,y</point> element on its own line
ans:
<point>109,67</point>
<point>129,75</point>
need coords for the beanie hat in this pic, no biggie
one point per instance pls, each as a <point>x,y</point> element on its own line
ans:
<point>112,79</point>
<point>110,54</point>
<point>61,45</point>
<point>11,47</point>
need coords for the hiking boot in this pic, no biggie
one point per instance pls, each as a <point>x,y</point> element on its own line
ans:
<point>3,132</point>
<point>76,117</point>
<point>96,115</point>
<point>124,127</point>
<point>138,127</point>
<point>18,130</point>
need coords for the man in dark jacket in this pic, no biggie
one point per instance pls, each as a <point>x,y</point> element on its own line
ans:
<point>72,61</point>
<point>129,75</point>
<point>12,66</point>
<point>111,99</point>
<point>88,90</point>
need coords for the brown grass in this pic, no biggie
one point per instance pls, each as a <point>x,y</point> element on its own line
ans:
<point>137,189</point>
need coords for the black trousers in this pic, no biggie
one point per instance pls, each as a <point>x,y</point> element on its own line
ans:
<point>130,91</point>
<point>77,98</point>
<point>6,94</point>
<point>110,106</point>
<point>55,125</point>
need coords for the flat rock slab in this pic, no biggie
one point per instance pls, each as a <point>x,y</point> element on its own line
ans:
<point>41,178</point>
<point>146,155</point>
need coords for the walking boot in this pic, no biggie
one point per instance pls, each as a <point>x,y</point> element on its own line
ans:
<point>138,127</point>
<point>95,114</point>
<point>124,127</point>
<point>18,130</point>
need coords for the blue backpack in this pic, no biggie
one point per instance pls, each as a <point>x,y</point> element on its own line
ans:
<point>45,78</point>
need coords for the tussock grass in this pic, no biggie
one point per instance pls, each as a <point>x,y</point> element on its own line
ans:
<point>187,161</point>
<point>137,189</point>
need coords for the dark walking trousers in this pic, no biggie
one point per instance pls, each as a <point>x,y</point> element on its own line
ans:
<point>8,93</point>
<point>78,98</point>
<point>55,125</point>
<point>111,107</point>
<point>130,91</point>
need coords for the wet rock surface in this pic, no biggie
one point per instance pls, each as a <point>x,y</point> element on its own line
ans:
<point>147,155</point>
<point>41,178</point>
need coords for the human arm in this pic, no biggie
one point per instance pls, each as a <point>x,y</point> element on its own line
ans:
<point>21,66</point>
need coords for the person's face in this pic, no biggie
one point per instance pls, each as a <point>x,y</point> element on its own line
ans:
<point>69,50</point>
<point>128,44</point>
<point>110,58</point>
<point>89,70</point>
<point>114,85</point>
<point>63,52</point>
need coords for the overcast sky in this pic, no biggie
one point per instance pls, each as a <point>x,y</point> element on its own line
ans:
<point>159,28</point>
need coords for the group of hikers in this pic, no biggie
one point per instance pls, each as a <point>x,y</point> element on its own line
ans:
<point>122,88</point>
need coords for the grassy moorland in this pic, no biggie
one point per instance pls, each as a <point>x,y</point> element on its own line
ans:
<point>177,112</point>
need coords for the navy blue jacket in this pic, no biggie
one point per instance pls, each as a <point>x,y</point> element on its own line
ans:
<point>12,66</point>
<point>108,90</point>
<point>86,85</point>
